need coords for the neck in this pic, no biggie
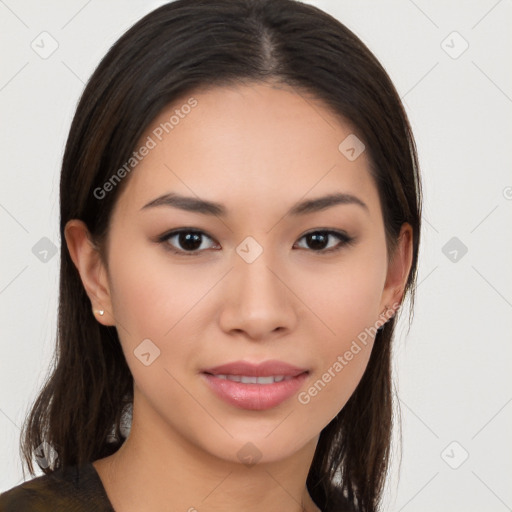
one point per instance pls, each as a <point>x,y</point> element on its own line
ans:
<point>158,469</point>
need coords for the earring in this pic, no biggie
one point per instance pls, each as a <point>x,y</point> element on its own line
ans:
<point>100,312</point>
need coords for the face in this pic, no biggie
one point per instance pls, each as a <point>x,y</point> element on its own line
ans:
<point>256,278</point>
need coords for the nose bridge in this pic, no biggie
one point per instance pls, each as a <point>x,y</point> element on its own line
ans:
<point>257,279</point>
<point>258,301</point>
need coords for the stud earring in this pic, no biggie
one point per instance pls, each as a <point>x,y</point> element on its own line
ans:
<point>100,312</point>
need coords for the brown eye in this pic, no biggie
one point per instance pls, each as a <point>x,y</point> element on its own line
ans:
<point>320,241</point>
<point>190,242</point>
<point>186,242</point>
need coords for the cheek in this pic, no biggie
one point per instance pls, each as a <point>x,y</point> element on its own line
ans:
<point>153,300</point>
<point>342,357</point>
<point>158,300</point>
<point>346,297</point>
<point>347,304</point>
<point>149,293</point>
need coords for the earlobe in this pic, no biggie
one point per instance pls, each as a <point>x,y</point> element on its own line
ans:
<point>87,260</point>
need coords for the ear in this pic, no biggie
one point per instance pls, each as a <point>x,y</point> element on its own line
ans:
<point>398,272</point>
<point>87,260</point>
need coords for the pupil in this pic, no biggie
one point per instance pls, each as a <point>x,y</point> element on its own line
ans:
<point>315,239</point>
<point>190,241</point>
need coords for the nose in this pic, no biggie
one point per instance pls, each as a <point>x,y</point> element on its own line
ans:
<point>258,300</point>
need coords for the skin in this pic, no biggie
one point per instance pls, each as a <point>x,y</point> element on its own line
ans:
<point>258,150</point>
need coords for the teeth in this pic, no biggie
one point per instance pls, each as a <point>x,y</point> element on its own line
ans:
<point>245,379</point>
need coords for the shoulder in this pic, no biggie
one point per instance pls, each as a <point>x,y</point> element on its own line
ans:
<point>70,489</point>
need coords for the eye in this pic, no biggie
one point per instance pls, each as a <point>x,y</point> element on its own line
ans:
<point>319,240</point>
<point>190,241</point>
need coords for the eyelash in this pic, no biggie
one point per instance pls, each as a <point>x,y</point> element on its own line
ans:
<point>345,240</point>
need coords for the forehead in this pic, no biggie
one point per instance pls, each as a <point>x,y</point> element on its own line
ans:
<point>246,143</point>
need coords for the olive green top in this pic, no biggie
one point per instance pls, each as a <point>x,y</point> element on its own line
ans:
<point>70,489</point>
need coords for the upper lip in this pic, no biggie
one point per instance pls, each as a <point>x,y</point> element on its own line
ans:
<point>264,369</point>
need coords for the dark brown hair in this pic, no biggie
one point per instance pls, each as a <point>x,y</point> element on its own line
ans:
<point>179,48</point>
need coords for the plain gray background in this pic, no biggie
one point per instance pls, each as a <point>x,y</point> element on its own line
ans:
<point>453,367</point>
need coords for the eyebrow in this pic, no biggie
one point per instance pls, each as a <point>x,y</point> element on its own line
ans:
<point>197,205</point>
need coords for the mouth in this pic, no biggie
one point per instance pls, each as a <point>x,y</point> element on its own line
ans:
<point>249,379</point>
<point>270,368</point>
<point>255,387</point>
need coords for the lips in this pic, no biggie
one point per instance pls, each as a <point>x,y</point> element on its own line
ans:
<point>255,386</point>
<point>271,368</point>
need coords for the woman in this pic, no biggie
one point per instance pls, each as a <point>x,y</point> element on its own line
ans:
<point>241,207</point>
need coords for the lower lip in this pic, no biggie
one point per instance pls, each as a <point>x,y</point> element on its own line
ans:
<point>256,397</point>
